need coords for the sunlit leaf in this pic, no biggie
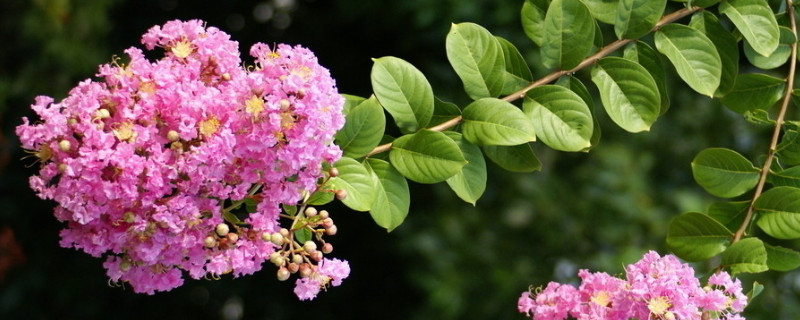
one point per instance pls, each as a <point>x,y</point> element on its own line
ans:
<point>403,91</point>
<point>779,212</point>
<point>726,45</point>
<point>629,93</point>
<point>635,18</point>
<point>641,53</point>
<point>357,181</point>
<point>694,56</point>
<point>603,10</point>
<point>443,111</point>
<point>518,75</point>
<point>533,20</point>
<point>754,91</point>
<point>363,129</point>
<point>694,236</point>
<point>426,156</point>
<point>569,32</point>
<point>392,196</point>
<point>778,57</point>
<point>492,121</point>
<point>724,172</point>
<point>470,183</point>
<point>477,57</point>
<point>755,21</point>
<point>562,119</point>
<point>746,256</point>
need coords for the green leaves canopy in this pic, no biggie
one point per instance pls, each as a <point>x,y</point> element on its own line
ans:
<point>723,172</point>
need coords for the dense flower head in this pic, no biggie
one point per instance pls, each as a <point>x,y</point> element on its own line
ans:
<point>149,159</point>
<point>655,287</point>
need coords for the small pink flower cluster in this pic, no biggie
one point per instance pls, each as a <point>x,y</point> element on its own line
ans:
<point>147,163</point>
<point>655,288</point>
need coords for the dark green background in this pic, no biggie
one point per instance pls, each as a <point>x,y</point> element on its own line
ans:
<point>450,260</point>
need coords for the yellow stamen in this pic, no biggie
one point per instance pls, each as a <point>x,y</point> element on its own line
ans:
<point>182,49</point>
<point>209,126</point>
<point>254,106</point>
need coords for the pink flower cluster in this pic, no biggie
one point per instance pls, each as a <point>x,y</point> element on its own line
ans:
<point>654,288</point>
<point>148,161</point>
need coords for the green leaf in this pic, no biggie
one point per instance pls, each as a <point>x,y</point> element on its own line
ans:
<point>470,183</point>
<point>350,101</point>
<point>363,128</point>
<point>302,235</point>
<point>357,181</point>
<point>320,197</point>
<point>746,256</point>
<point>788,150</point>
<point>636,18</point>
<point>404,92</point>
<point>693,236</point>
<point>754,91</point>
<point>519,158</point>
<point>782,259</point>
<point>533,20</point>
<point>578,88</point>
<point>569,31</point>
<point>561,119</point>
<point>789,177</point>
<point>726,45</point>
<point>518,75</point>
<point>603,10</point>
<point>289,209</point>
<point>641,53</point>
<point>426,156</point>
<point>779,212</point>
<point>392,197</point>
<point>778,57</point>
<point>694,56</point>
<point>629,93</point>
<point>755,22</point>
<point>443,111</point>
<point>491,121</point>
<point>723,172</point>
<point>757,288</point>
<point>730,214</point>
<point>477,57</point>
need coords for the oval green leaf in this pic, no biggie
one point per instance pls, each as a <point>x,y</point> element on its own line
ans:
<point>491,121</point>
<point>778,57</point>
<point>477,58</point>
<point>519,158</point>
<point>357,181</point>
<point>561,119</point>
<point>350,101</point>
<point>518,75</point>
<point>724,172</point>
<point>694,56</point>
<point>727,48</point>
<point>636,18</point>
<point>754,91</point>
<point>569,33</point>
<point>694,236</point>
<point>782,259</point>
<point>641,53</point>
<point>730,214</point>
<point>572,83</point>
<point>469,183</point>
<point>532,17</point>
<point>426,156</point>
<point>603,10</point>
<point>779,212</point>
<point>789,149</point>
<point>629,93</point>
<point>443,111</point>
<point>746,256</point>
<point>789,177</point>
<point>755,21</point>
<point>403,91</point>
<point>392,196</point>
<point>363,128</point>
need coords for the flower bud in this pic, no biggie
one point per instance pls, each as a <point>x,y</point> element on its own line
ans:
<point>296,258</point>
<point>293,267</point>
<point>62,167</point>
<point>284,232</point>
<point>277,239</point>
<point>310,246</point>
<point>327,223</point>
<point>266,236</point>
<point>283,274</point>
<point>102,113</point>
<point>285,104</point>
<point>305,270</point>
<point>277,259</point>
<point>327,248</point>
<point>64,145</point>
<point>324,214</point>
<point>331,231</point>
<point>222,229</point>
<point>341,194</point>
<point>333,172</point>
<point>316,255</point>
<point>232,237</point>
<point>311,211</point>
<point>173,136</point>
<point>210,242</point>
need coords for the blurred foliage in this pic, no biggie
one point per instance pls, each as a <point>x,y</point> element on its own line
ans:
<point>450,260</point>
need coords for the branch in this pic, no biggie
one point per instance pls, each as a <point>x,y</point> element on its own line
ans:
<point>773,145</point>
<point>605,51</point>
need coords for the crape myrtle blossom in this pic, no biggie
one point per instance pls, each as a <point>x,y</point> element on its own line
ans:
<point>655,287</point>
<point>147,162</point>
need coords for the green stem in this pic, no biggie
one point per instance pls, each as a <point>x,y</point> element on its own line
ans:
<point>773,145</point>
<point>605,51</point>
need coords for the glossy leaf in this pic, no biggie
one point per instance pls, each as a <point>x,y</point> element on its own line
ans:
<point>629,93</point>
<point>426,156</point>
<point>730,214</point>
<point>477,58</point>
<point>518,75</point>
<point>723,172</point>
<point>562,119</point>
<point>754,91</point>
<point>694,236</point>
<point>789,177</point>
<point>319,198</point>
<point>778,57</point>
<point>392,196</point>
<point>532,17</point>
<point>403,91</point>
<point>443,111</point>
<point>569,32</point>
<point>578,88</point>
<point>782,259</point>
<point>636,18</point>
<point>727,48</point>
<point>746,256</point>
<point>492,121</point>
<point>641,53</point>
<point>603,10</point>
<point>694,56</point>
<point>519,158</point>
<point>357,181</point>
<point>788,150</point>
<point>363,129</point>
<point>779,212</point>
<point>350,101</point>
<point>470,183</point>
<point>755,21</point>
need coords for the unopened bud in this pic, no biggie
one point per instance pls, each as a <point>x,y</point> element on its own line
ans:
<point>311,211</point>
<point>222,229</point>
<point>64,145</point>
<point>226,76</point>
<point>331,231</point>
<point>341,194</point>
<point>327,248</point>
<point>173,136</point>
<point>327,223</point>
<point>293,267</point>
<point>316,255</point>
<point>310,246</point>
<point>266,236</point>
<point>233,237</point>
<point>285,104</point>
<point>284,232</point>
<point>305,270</point>
<point>296,258</point>
<point>62,167</point>
<point>324,214</point>
<point>102,113</point>
<point>333,172</point>
<point>277,259</point>
<point>277,239</point>
<point>210,242</point>
<point>283,274</point>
